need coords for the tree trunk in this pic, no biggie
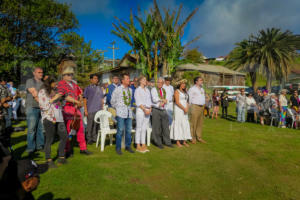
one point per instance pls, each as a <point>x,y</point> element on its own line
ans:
<point>149,66</point>
<point>269,80</point>
<point>155,63</point>
<point>165,68</point>
<point>253,80</point>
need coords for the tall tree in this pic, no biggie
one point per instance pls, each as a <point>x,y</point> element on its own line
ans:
<point>29,31</point>
<point>276,51</point>
<point>193,55</point>
<point>87,59</point>
<point>271,52</point>
<point>243,58</point>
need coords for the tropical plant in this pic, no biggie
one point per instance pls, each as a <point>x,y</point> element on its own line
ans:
<point>242,58</point>
<point>272,52</point>
<point>276,51</point>
<point>156,40</point>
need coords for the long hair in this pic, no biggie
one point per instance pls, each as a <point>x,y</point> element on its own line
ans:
<point>179,85</point>
<point>47,85</point>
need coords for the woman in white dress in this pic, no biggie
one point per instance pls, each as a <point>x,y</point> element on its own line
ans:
<point>143,103</point>
<point>180,128</point>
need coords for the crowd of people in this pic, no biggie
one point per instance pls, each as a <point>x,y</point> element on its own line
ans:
<point>60,107</point>
<point>261,106</point>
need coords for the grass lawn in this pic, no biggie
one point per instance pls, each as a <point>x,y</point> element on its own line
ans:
<point>240,161</point>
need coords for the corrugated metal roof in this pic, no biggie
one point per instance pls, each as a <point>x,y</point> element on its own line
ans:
<point>208,68</point>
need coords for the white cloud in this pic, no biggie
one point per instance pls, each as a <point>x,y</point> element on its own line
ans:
<point>225,22</point>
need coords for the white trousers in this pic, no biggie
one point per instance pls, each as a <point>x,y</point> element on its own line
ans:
<point>142,123</point>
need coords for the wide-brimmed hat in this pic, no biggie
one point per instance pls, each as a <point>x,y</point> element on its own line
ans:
<point>180,82</point>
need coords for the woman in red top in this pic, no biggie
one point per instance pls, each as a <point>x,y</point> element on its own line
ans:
<point>73,94</point>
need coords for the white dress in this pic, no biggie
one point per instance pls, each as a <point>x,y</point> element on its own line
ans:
<point>180,128</point>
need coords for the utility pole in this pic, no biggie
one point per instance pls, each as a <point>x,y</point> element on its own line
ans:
<point>113,48</point>
<point>100,51</point>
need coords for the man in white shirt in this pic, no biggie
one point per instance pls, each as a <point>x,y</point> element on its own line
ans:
<point>160,121</point>
<point>169,95</point>
<point>197,102</point>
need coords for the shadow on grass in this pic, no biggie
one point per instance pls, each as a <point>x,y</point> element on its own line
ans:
<point>17,140</point>
<point>230,118</point>
<point>50,196</point>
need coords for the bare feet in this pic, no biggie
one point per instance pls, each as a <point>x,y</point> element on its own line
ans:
<point>185,144</point>
<point>193,141</point>
<point>178,144</point>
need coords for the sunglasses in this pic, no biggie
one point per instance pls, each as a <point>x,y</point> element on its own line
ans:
<point>69,74</point>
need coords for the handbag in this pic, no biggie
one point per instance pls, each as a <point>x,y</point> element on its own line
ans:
<point>75,122</point>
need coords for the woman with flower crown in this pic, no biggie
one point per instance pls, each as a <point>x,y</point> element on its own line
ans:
<point>180,128</point>
<point>143,103</point>
<point>121,101</point>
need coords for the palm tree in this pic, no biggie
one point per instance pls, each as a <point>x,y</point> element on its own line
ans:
<point>276,52</point>
<point>242,58</point>
<point>271,52</point>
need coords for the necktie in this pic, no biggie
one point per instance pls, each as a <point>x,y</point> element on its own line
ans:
<point>161,94</point>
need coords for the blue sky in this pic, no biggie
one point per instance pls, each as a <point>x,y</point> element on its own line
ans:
<point>221,23</point>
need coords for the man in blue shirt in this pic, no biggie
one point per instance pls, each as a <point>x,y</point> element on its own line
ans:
<point>111,88</point>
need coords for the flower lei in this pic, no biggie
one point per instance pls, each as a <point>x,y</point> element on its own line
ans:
<point>127,99</point>
<point>164,93</point>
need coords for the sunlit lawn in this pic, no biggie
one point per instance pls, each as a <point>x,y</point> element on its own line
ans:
<point>240,161</point>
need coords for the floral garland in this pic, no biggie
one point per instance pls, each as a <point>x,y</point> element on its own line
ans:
<point>127,99</point>
<point>164,93</point>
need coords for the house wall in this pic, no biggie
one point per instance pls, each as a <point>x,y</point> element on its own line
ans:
<point>212,79</point>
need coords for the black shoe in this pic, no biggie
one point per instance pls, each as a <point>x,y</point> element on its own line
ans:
<point>119,152</point>
<point>90,142</point>
<point>51,164</point>
<point>129,150</point>
<point>160,146</point>
<point>62,161</point>
<point>85,152</point>
<point>170,145</point>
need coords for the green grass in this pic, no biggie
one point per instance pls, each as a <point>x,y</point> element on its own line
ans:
<point>240,161</point>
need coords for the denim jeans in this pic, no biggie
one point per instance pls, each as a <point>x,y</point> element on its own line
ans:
<point>123,124</point>
<point>35,135</point>
<point>241,114</point>
<point>8,117</point>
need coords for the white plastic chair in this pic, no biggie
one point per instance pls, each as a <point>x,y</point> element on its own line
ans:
<point>101,118</point>
<point>293,117</point>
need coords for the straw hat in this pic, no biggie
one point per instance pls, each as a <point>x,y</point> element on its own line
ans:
<point>67,67</point>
